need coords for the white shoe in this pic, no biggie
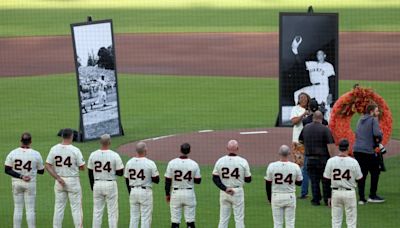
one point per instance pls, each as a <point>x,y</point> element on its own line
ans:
<point>362,202</point>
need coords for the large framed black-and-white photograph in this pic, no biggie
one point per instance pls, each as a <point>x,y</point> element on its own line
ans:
<point>308,61</point>
<point>96,71</point>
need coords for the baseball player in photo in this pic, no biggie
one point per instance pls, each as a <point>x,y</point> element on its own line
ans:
<point>101,94</point>
<point>229,175</point>
<point>23,164</point>
<point>181,175</point>
<point>104,165</point>
<point>63,164</point>
<point>281,178</point>
<point>319,72</point>
<point>343,171</point>
<point>140,174</point>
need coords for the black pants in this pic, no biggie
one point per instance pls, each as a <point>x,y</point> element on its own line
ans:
<point>315,169</point>
<point>368,163</point>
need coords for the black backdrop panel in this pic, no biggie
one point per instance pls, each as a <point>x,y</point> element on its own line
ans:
<point>308,60</point>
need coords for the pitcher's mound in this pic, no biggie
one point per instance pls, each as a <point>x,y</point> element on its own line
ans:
<point>259,146</point>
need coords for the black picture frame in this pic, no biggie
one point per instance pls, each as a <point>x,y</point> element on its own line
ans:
<point>108,69</point>
<point>299,20</point>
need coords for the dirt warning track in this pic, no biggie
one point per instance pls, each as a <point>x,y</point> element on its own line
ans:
<point>363,55</point>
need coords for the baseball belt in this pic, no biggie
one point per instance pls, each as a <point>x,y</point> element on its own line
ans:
<point>142,187</point>
<point>183,188</point>
<point>343,189</point>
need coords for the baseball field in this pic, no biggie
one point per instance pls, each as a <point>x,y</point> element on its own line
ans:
<point>160,96</point>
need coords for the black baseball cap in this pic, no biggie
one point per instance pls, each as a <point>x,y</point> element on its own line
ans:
<point>344,145</point>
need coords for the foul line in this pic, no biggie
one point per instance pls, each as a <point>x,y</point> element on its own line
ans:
<point>253,132</point>
<point>205,131</point>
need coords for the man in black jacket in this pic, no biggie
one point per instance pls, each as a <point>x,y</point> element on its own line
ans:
<point>319,146</point>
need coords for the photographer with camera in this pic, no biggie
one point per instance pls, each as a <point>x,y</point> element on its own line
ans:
<point>368,137</point>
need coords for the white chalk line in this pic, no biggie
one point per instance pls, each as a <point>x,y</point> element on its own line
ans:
<point>205,131</point>
<point>253,132</point>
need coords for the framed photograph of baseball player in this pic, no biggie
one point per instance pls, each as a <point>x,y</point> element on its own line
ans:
<point>96,72</point>
<point>308,61</point>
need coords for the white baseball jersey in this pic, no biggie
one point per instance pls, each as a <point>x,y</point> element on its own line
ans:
<point>25,161</point>
<point>104,164</point>
<point>182,171</point>
<point>283,176</point>
<point>232,170</point>
<point>343,172</point>
<point>320,72</point>
<point>140,170</point>
<point>66,160</point>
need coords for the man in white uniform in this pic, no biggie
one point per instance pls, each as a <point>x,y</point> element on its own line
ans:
<point>22,164</point>
<point>229,175</point>
<point>181,175</point>
<point>63,163</point>
<point>319,72</point>
<point>140,174</point>
<point>104,165</point>
<point>343,171</point>
<point>102,94</point>
<point>281,178</point>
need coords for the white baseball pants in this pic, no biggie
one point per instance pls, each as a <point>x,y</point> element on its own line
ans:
<point>105,192</point>
<point>283,206</point>
<point>72,191</point>
<point>183,199</point>
<point>141,201</point>
<point>347,200</point>
<point>228,202</point>
<point>319,92</point>
<point>24,194</point>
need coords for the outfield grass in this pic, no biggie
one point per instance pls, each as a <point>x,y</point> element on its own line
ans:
<point>161,105</point>
<point>55,21</point>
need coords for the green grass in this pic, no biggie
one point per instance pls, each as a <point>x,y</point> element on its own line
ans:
<point>56,21</point>
<point>160,105</point>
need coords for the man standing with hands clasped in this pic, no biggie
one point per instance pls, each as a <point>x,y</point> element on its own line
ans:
<point>23,164</point>
<point>229,175</point>
<point>63,164</point>
<point>281,178</point>
<point>104,166</point>
<point>343,171</point>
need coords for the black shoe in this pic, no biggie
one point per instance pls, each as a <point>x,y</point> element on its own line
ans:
<point>315,203</point>
<point>303,197</point>
<point>376,199</point>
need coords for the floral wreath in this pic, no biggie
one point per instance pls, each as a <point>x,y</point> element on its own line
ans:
<point>353,102</point>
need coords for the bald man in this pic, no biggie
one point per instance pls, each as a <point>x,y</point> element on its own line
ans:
<point>281,178</point>
<point>229,175</point>
<point>104,166</point>
<point>319,147</point>
<point>140,174</point>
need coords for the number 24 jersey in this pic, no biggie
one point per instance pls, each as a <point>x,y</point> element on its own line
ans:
<point>182,171</point>
<point>283,176</point>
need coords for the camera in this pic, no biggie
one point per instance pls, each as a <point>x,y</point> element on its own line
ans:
<point>382,149</point>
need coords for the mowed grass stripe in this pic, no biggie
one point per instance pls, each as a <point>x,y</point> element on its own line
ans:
<point>56,21</point>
